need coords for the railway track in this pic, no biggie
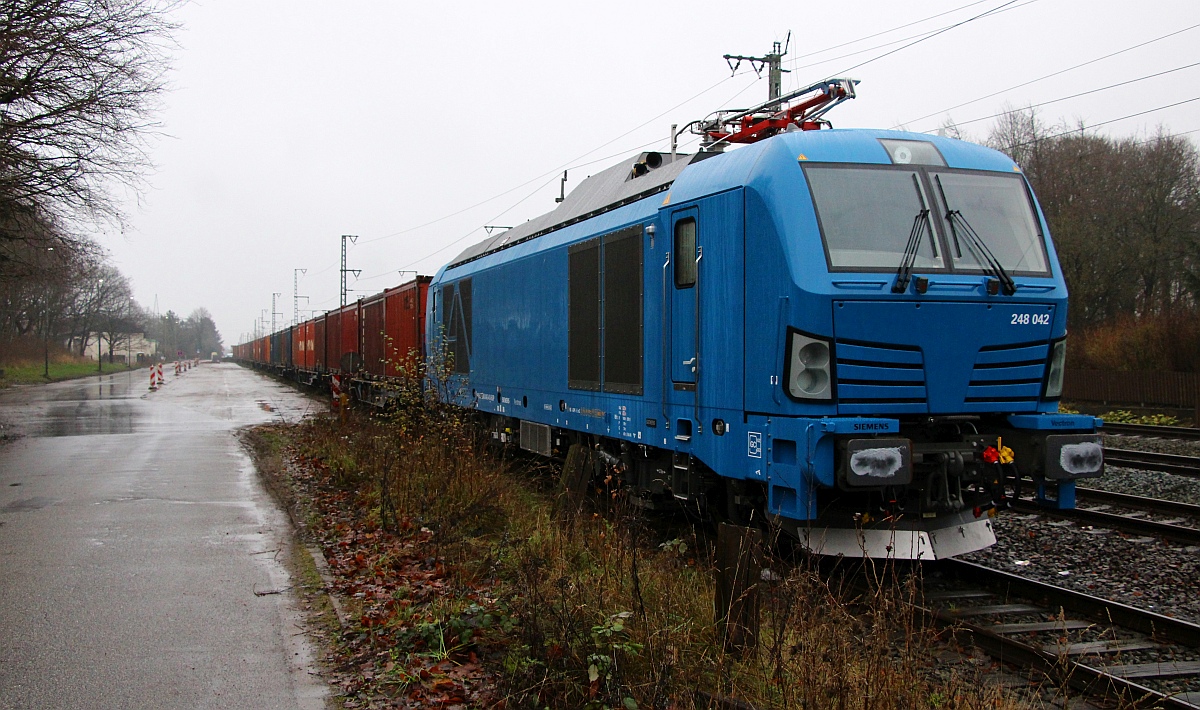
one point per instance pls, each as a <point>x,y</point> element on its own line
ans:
<point>1181,521</point>
<point>1150,430</point>
<point>1167,463</point>
<point>1100,647</point>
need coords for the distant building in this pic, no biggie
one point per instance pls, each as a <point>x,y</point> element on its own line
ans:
<point>137,348</point>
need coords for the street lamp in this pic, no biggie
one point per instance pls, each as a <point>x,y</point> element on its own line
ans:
<point>99,349</point>
<point>129,336</point>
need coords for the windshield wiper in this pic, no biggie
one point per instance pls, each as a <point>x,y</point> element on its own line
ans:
<point>909,259</point>
<point>983,256</point>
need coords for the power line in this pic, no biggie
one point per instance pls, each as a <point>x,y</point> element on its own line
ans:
<point>920,36</point>
<point>512,207</point>
<point>1053,74</point>
<point>1081,129</point>
<point>693,98</point>
<point>556,170</point>
<point>798,57</point>
<point>928,37</point>
<point>1075,96</point>
<point>1002,7</point>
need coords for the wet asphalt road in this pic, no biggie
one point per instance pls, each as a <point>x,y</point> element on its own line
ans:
<point>134,534</point>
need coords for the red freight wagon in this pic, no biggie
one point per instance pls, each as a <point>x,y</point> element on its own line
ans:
<point>262,350</point>
<point>374,337</point>
<point>306,337</point>
<point>405,326</point>
<point>333,341</point>
<point>298,350</point>
<point>318,344</point>
<point>350,356</point>
<point>341,339</point>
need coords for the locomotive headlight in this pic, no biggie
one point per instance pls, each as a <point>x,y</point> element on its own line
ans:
<point>809,374</point>
<point>1058,365</point>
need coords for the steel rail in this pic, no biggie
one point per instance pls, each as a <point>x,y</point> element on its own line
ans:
<point>1148,461</point>
<point>1165,629</point>
<point>1185,535</point>
<point>1153,430</point>
<point>1156,505</point>
<point>1080,676</point>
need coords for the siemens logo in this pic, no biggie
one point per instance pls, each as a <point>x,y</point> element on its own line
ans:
<point>872,426</point>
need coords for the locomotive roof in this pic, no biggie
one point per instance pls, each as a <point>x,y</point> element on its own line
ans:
<point>605,190</point>
<point>617,186</point>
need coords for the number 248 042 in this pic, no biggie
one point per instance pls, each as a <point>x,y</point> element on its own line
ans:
<point>1030,319</point>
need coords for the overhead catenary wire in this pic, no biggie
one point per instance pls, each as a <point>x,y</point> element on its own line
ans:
<point>1073,96</point>
<point>1083,129</point>
<point>919,37</point>
<point>864,38</point>
<point>1050,75</point>
<point>539,188</point>
<point>553,174</point>
<point>930,36</point>
<point>565,166</point>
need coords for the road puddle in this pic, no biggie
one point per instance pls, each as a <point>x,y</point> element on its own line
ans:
<point>25,505</point>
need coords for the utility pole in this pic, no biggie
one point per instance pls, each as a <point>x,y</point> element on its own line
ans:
<point>274,310</point>
<point>296,295</point>
<point>353,240</point>
<point>774,63</point>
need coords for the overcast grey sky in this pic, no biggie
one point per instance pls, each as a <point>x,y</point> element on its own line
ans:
<point>291,123</point>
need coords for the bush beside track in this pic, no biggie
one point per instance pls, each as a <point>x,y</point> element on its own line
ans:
<point>462,586</point>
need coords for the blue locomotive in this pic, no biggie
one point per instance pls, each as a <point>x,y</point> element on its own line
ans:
<point>856,334</point>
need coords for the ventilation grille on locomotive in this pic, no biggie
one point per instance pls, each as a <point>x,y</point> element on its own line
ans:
<point>1008,377</point>
<point>535,438</point>
<point>874,377</point>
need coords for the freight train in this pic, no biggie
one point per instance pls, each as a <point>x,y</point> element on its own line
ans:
<point>856,335</point>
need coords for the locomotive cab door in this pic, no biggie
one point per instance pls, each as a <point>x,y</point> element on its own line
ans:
<point>683,295</point>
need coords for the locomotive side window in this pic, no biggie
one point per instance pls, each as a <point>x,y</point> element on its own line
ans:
<point>685,253</point>
<point>583,315</point>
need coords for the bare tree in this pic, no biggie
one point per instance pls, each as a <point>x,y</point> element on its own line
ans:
<point>1125,214</point>
<point>77,81</point>
<point>115,316</point>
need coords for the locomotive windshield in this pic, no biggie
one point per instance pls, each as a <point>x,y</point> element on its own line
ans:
<point>997,207</point>
<point>867,215</point>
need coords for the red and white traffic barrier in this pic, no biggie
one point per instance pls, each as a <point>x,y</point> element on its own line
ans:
<point>153,379</point>
<point>158,369</point>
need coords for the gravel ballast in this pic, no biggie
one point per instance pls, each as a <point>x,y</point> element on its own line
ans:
<point>1143,572</point>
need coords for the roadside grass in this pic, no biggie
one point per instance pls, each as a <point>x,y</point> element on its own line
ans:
<point>466,583</point>
<point>25,373</point>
